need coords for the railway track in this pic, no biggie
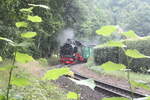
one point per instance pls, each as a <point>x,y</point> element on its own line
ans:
<point>110,89</point>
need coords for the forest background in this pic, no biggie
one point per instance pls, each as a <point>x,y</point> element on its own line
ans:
<point>82,17</point>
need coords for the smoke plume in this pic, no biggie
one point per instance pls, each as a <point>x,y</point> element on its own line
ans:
<point>65,34</point>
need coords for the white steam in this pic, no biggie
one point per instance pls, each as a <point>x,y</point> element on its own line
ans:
<point>65,34</point>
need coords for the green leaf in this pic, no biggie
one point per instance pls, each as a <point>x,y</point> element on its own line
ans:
<point>140,84</point>
<point>1,59</point>
<point>110,66</point>
<point>20,81</point>
<point>42,6</point>
<point>28,10</point>
<point>34,18</point>
<point>130,34</point>
<point>135,54</point>
<point>88,82</point>
<point>112,44</point>
<point>21,24</point>
<point>56,73</point>
<point>2,97</point>
<point>23,58</point>
<point>72,95</point>
<point>8,40</point>
<point>148,98</point>
<point>115,98</point>
<point>7,67</point>
<point>28,34</point>
<point>106,30</point>
<point>23,44</point>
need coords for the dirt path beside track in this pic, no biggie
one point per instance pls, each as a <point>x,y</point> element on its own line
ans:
<point>83,70</point>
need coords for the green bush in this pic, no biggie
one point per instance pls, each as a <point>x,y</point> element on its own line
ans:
<point>43,61</point>
<point>102,55</point>
<point>53,60</point>
<point>37,90</point>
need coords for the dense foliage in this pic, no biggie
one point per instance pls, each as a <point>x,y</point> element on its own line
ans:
<point>126,55</point>
<point>34,32</point>
<point>84,16</point>
<point>115,54</point>
<point>45,43</point>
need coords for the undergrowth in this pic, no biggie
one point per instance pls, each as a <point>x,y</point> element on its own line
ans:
<point>53,60</point>
<point>43,61</point>
<point>37,90</point>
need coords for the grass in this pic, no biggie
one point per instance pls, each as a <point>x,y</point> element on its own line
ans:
<point>38,90</point>
<point>53,60</point>
<point>118,74</point>
<point>133,75</point>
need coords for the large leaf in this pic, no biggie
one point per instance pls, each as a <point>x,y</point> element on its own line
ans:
<point>21,24</point>
<point>115,98</point>
<point>20,81</point>
<point>110,66</point>
<point>106,30</point>
<point>23,58</point>
<point>23,44</point>
<point>140,84</point>
<point>56,73</point>
<point>148,98</point>
<point>5,39</point>
<point>112,44</point>
<point>88,82</point>
<point>28,10</point>
<point>1,59</point>
<point>8,40</point>
<point>2,97</point>
<point>72,95</point>
<point>34,18</point>
<point>8,67</point>
<point>130,34</point>
<point>135,54</point>
<point>28,34</point>
<point>42,6</point>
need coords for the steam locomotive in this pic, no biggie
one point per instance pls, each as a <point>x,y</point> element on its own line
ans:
<point>73,52</point>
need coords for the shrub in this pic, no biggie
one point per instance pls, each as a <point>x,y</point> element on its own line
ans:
<point>43,61</point>
<point>102,55</point>
<point>53,60</point>
<point>37,90</point>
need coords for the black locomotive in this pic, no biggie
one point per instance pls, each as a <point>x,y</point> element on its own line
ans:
<point>69,52</point>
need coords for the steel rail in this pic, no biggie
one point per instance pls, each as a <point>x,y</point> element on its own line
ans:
<point>110,89</point>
